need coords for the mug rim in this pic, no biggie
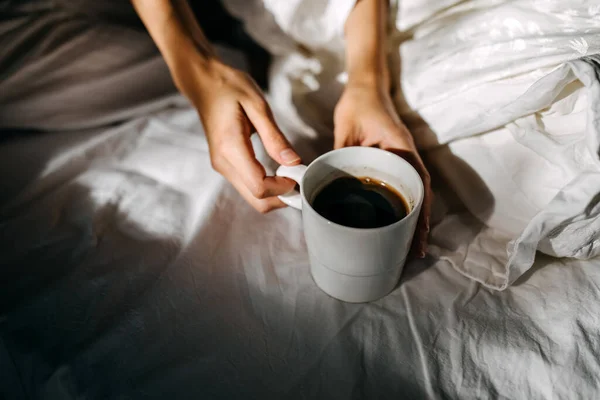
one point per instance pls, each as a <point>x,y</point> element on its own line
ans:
<point>385,153</point>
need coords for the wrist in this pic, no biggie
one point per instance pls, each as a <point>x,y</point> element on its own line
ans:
<point>186,51</point>
<point>181,49</point>
<point>178,45</point>
<point>195,74</point>
<point>375,79</point>
<point>185,58</point>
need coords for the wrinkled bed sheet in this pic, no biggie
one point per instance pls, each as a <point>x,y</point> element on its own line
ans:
<point>130,269</point>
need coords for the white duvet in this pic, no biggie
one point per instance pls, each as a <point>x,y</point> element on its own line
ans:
<point>504,94</point>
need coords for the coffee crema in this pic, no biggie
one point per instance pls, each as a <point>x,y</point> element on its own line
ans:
<point>361,202</point>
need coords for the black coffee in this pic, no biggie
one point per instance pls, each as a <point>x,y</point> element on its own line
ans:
<point>360,203</point>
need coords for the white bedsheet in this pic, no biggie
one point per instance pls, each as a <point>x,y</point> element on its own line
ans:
<point>130,269</point>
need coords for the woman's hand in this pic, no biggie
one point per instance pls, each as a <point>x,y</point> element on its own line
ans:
<point>231,108</point>
<point>228,101</point>
<point>365,116</point>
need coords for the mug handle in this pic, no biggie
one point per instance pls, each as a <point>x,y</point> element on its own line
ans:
<point>296,173</point>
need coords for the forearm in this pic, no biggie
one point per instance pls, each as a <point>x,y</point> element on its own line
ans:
<point>174,29</point>
<point>365,31</point>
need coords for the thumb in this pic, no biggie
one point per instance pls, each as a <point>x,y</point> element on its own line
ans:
<point>260,115</point>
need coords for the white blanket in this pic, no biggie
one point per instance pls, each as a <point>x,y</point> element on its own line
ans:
<point>511,71</point>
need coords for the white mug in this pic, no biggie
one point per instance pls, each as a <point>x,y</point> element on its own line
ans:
<point>353,264</point>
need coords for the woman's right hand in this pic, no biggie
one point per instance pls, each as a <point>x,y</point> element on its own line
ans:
<point>229,103</point>
<point>231,107</point>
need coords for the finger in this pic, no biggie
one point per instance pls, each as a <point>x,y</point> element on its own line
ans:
<point>242,164</point>
<point>422,232</point>
<point>419,246</point>
<point>341,132</point>
<point>260,115</point>
<point>261,205</point>
<point>424,218</point>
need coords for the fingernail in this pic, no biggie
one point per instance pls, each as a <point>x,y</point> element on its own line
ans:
<point>289,156</point>
<point>422,254</point>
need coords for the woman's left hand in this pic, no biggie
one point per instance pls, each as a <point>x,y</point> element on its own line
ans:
<point>365,116</point>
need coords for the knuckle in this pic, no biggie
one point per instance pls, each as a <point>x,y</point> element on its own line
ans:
<point>261,105</point>
<point>217,161</point>
<point>214,163</point>
<point>244,79</point>
<point>260,191</point>
<point>277,142</point>
<point>218,155</point>
<point>263,207</point>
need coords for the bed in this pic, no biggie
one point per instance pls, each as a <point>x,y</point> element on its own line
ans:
<point>130,269</point>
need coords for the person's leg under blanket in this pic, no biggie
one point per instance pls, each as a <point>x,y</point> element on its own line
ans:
<point>65,69</point>
<point>71,64</point>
